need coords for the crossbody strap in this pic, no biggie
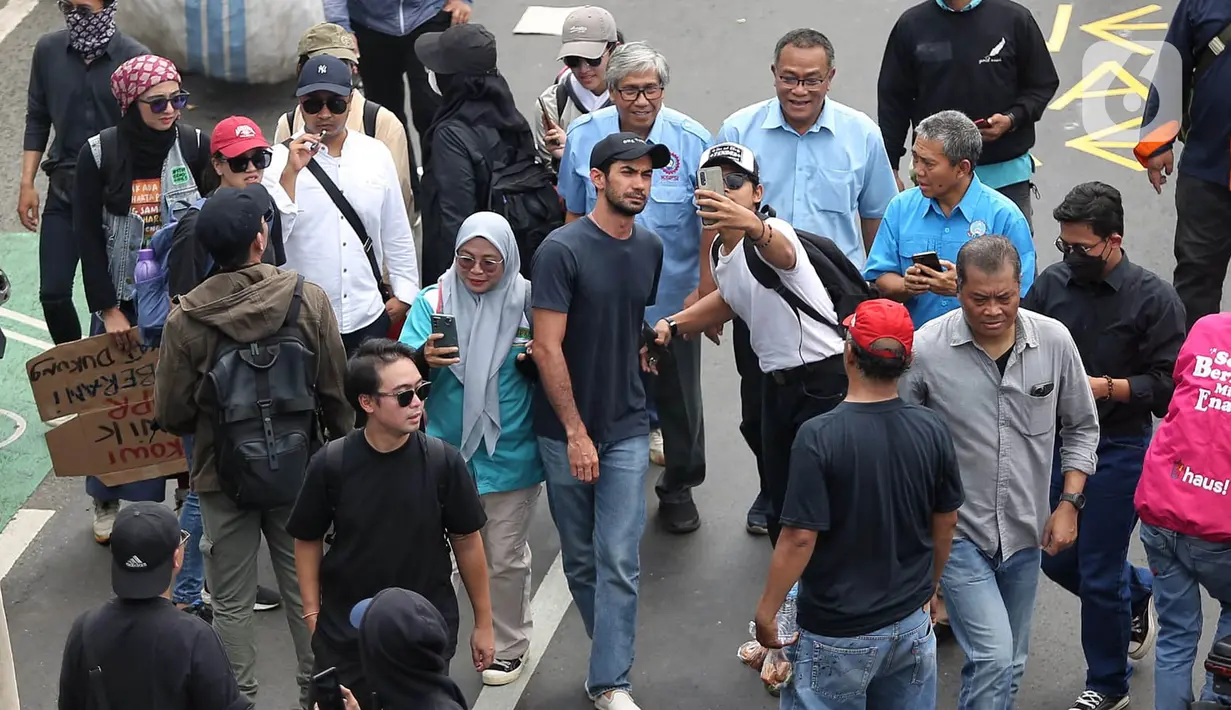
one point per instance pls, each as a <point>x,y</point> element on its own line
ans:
<point>352,218</point>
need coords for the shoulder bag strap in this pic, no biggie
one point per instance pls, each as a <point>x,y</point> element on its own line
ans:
<point>290,122</point>
<point>370,110</point>
<point>98,691</point>
<point>561,99</point>
<point>1210,52</point>
<point>767,277</point>
<point>352,218</point>
<point>434,461</point>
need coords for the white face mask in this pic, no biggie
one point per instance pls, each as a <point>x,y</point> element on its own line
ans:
<point>431,81</point>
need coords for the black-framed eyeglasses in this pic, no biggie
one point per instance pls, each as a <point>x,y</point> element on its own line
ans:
<point>1066,248</point>
<point>314,104</point>
<point>632,92</point>
<point>159,104</point>
<point>466,262</point>
<point>574,62</point>
<point>260,159</point>
<point>406,397</point>
<point>811,83</point>
<point>69,8</point>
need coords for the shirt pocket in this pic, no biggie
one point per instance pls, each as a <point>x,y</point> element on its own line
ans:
<point>832,190</point>
<point>1036,407</point>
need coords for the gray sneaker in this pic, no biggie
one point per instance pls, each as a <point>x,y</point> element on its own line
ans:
<point>104,520</point>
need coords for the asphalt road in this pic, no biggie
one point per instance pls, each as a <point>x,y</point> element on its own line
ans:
<point>698,591</point>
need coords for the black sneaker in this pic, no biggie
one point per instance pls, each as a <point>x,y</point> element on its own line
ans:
<point>1093,700</point>
<point>679,518</point>
<point>757,522</point>
<point>1145,632</point>
<point>503,672</point>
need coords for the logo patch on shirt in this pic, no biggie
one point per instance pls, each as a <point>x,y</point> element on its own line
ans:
<point>179,176</point>
<point>993,57</point>
<point>977,229</point>
<point>672,171</point>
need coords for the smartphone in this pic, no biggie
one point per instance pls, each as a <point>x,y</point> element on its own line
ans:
<point>649,338</point>
<point>928,259</point>
<point>982,123</point>
<point>547,122</point>
<point>446,325</point>
<point>710,179</point>
<point>327,690</point>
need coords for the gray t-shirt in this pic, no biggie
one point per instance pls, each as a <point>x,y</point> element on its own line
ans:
<point>604,284</point>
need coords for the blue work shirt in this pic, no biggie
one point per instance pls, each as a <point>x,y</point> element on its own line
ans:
<point>825,180</point>
<point>914,224</point>
<point>670,212</point>
<point>515,464</point>
<point>396,18</point>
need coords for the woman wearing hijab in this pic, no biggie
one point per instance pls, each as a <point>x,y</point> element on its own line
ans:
<point>480,402</point>
<point>478,125</point>
<point>132,179</point>
<point>402,642</point>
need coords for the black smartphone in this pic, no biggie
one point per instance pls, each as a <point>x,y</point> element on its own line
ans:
<point>446,325</point>
<point>649,338</point>
<point>327,690</point>
<point>928,259</point>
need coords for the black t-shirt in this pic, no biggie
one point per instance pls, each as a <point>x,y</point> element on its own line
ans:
<point>868,477</point>
<point>604,284</point>
<point>389,516</point>
<point>153,657</point>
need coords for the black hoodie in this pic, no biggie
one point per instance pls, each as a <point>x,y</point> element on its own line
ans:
<point>402,642</point>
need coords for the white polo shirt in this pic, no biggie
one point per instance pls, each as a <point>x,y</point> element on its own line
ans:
<point>781,338</point>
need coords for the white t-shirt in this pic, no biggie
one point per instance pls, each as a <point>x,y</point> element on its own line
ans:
<point>781,338</point>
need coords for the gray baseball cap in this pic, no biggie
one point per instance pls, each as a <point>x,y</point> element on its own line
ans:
<point>586,33</point>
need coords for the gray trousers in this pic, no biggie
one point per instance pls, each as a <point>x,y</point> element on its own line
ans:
<point>230,542</point>
<point>1019,192</point>
<point>681,417</point>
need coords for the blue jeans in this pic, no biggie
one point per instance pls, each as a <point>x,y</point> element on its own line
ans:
<point>890,669</point>
<point>1097,570</point>
<point>1182,565</point>
<point>600,526</point>
<point>191,578</point>
<point>991,604</point>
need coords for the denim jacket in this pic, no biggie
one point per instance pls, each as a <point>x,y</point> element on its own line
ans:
<point>125,233</point>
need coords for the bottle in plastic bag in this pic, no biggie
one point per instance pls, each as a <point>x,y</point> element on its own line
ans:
<point>147,267</point>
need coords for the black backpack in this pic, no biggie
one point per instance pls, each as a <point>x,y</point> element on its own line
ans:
<point>371,110</point>
<point>266,427</point>
<point>842,280</point>
<point>524,193</point>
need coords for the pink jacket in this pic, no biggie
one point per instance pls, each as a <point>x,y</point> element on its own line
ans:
<point>1186,481</point>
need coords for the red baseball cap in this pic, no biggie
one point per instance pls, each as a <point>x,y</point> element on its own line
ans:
<point>237,135</point>
<point>881,318</point>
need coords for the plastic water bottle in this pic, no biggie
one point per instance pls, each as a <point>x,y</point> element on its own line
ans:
<point>147,267</point>
<point>787,625</point>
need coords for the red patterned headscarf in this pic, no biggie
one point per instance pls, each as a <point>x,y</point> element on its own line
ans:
<point>138,75</point>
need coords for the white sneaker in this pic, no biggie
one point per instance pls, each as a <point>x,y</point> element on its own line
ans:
<point>656,448</point>
<point>616,700</point>
<point>104,520</point>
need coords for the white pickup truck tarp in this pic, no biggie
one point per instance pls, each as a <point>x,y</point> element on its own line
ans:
<point>241,41</point>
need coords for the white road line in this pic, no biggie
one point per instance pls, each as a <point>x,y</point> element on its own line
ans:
<point>19,533</point>
<point>547,609</point>
<point>12,15</point>
<point>24,319</point>
<point>33,342</point>
<point>19,426</point>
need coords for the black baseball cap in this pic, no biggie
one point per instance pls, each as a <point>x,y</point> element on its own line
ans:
<point>733,154</point>
<point>325,73</point>
<point>231,218</point>
<point>461,49</point>
<point>143,544</point>
<point>628,146</point>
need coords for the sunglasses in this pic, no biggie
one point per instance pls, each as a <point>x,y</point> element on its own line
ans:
<point>185,536</point>
<point>1066,248</point>
<point>159,104</point>
<point>466,262</point>
<point>574,62</point>
<point>313,105</point>
<point>260,159</point>
<point>405,397</point>
<point>735,181</point>
<point>68,8</point>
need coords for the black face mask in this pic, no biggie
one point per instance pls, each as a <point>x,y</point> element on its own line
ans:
<point>1084,267</point>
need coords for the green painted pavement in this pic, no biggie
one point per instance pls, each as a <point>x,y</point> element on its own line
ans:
<point>24,461</point>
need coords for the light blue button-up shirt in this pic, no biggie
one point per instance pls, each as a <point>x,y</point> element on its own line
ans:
<point>914,224</point>
<point>671,212</point>
<point>825,180</point>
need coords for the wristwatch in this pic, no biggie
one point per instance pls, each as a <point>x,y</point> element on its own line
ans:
<point>675,329</point>
<point>1077,499</point>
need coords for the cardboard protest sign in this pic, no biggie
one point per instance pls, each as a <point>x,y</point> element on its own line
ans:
<point>113,434</point>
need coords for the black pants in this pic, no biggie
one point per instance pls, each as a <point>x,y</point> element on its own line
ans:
<point>57,261</point>
<point>751,382</point>
<point>1202,244</point>
<point>1020,194</point>
<point>677,391</point>
<point>790,398</point>
<point>379,328</point>
<point>385,63</point>
<point>349,671</point>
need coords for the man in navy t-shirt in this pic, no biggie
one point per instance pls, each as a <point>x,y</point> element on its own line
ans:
<point>866,527</point>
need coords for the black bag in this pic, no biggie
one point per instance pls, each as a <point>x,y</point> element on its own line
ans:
<point>371,110</point>
<point>266,427</point>
<point>524,193</point>
<point>842,280</point>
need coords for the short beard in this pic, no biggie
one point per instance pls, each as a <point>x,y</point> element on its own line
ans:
<point>619,205</point>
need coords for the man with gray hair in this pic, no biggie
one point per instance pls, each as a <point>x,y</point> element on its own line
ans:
<point>1001,378</point>
<point>637,77</point>
<point>925,226</point>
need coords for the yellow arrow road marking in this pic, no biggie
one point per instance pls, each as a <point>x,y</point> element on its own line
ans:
<point>1105,29</point>
<point>1093,144</point>
<point>1132,85</point>
<point>1060,28</point>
